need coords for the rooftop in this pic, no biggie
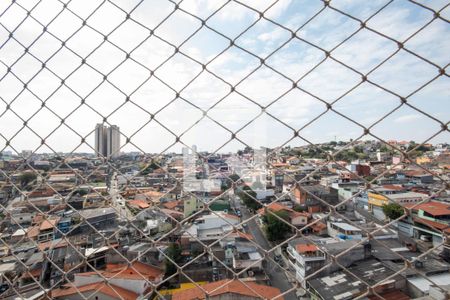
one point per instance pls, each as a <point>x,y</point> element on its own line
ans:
<point>249,289</point>
<point>109,289</point>
<point>346,226</point>
<point>434,208</point>
<point>303,248</point>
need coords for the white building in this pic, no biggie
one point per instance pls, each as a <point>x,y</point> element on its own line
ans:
<point>211,227</point>
<point>344,231</point>
<point>305,259</point>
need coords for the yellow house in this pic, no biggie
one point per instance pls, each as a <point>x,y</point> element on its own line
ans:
<point>423,160</point>
<point>376,200</point>
<point>402,199</point>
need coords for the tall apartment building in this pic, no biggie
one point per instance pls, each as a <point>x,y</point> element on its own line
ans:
<point>107,141</point>
<point>113,141</point>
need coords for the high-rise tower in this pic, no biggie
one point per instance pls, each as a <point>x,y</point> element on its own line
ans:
<point>107,141</point>
<point>113,141</point>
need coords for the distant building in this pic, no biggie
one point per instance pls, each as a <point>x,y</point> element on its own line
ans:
<point>113,141</point>
<point>100,140</point>
<point>107,141</point>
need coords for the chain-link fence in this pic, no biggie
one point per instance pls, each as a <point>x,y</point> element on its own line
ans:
<point>290,215</point>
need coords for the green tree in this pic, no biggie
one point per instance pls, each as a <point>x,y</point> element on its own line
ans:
<point>299,208</point>
<point>174,253</point>
<point>248,196</point>
<point>150,168</point>
<point>27,178</point>
<point>228,182</point>
<point>393,210</point>
<point>81,192</point>
<point>235,177</point>
<point>276,229</point>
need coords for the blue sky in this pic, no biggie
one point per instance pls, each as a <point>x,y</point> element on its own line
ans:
<point>287,59</point>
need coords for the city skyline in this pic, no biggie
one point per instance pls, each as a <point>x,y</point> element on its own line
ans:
<point>224,149</point>
<point>147,109</point>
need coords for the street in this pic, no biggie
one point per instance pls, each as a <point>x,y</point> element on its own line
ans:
<point>276,274</point>
<point>117,200</point>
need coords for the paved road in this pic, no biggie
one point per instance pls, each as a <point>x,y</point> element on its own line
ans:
<point>117,200</point>
<point>276,274</point>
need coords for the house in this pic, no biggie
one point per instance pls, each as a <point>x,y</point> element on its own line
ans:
<point>98,218</point>
<point>135,277</point>
<point>303,193</point>
<point>298,219</point>
<point>305,258</point>
<point>138,204</point>
<point>246,255</point>
<point>430,221</point>
<point>209,228</point>
<point>344,231</point>
<point>192,205</point>
<point>293,160</point>
<point>383,196</point>
<point>315,197</point>
<point>343,286</point>
<point>228,289</point>
<point>359,169</point>
<point>101,290</point>
<point>47,230</point>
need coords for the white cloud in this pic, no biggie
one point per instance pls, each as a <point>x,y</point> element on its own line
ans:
<point>408,118</point>
<point>330,80</point>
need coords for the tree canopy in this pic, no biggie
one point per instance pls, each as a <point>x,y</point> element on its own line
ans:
<point>174,253</point>
<point>27,178</point>
<point>393,210</point>
<point>248,196</point>
<point>275,228</point>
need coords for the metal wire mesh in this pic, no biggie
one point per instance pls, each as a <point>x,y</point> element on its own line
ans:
<point>133,40</point>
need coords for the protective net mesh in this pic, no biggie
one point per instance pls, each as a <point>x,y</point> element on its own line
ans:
<point>94,228</point>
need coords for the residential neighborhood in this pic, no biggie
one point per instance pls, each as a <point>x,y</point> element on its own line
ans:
<point>256,224</point>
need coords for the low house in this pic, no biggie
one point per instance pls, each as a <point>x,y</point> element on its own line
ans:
<point>210,227</point>
<point>344,231</point>
<point>135,277</point>
<point>378,199</point>
<point>246,255</point>
<point>341,285</point>
<point>99,290</point>
<point>430,221</point>
<point>298,219</point>
<point>228,289</point>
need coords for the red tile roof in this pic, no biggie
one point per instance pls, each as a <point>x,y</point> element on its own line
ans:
<point>250,289</point>
<point>274,206</point>
<point>110,290</point>
<point>139,203</point>
<point>137,271</point>
<point>144,269</point>
<point>48,224</point>
<point>303,248</point>
<point>171,204</point>
<point>432,224</point>
<point>319,226</point>
<point>393,187</point>
<point>434,208</point>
